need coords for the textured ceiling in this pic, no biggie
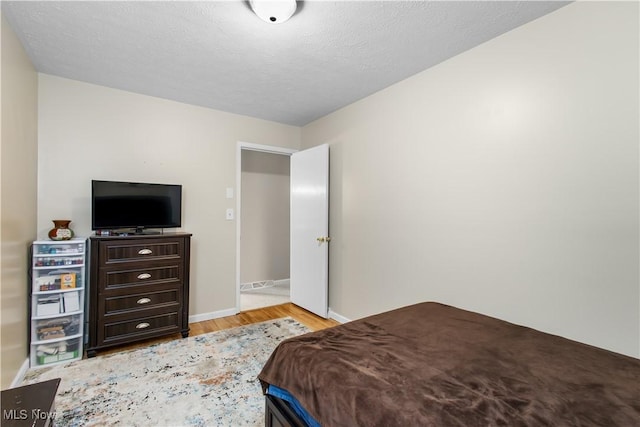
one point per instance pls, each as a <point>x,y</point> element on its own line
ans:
<point>218,54</point>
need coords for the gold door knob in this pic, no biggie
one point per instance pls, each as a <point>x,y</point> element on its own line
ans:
<point>323,239</point>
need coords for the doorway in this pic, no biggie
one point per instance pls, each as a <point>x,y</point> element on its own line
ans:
<point>263,226</point>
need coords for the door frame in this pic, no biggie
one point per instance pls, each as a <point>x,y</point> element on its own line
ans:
<point>249,146</point>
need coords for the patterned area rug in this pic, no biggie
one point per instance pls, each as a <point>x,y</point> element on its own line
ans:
<point>205,380</point>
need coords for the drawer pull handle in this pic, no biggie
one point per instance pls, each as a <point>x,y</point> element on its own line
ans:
<point>143,276</point>
<point>142,325</point>
<point>144,301</point>
<point>145,252</point>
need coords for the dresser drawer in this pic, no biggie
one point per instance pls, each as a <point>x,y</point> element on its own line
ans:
<point>140,302</point>
<point>116,252</point>
<point>146,277</point>
<point>141,327</point>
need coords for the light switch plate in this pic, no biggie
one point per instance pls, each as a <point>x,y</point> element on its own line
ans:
<point>229,193</point>
<point>229,215</point>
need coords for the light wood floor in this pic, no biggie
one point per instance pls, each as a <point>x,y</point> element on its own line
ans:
<point>308,319</point>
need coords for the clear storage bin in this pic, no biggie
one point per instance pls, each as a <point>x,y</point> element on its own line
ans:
<point>57,351</point>
<point>55,328</point>
<point>57,301</point>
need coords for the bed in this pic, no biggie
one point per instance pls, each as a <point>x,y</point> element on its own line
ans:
<point>431,364</point>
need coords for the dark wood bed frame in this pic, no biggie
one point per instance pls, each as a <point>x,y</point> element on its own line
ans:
<point>278,413</point>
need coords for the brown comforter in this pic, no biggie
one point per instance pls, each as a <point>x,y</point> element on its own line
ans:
<point>434,365</point>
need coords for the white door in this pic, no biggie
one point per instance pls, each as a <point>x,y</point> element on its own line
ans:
<point>309,229</point>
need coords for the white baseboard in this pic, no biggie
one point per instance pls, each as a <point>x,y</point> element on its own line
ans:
<point>282,282</point>
<point>212,315</point>
<point>337,317</point>
<point>17,381</point>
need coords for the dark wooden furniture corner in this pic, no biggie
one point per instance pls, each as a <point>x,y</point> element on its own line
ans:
<point>278,413</point>
<point>30,405</point>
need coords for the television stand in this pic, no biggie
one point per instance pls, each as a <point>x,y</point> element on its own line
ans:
<point>139,288</point>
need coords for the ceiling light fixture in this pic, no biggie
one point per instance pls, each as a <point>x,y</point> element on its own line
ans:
<point>273,11</point>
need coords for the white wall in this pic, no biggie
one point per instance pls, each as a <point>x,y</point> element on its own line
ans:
<point>264,251</point>
<point>19,85</point>
<point>92,132</point>
<point>503,181</point>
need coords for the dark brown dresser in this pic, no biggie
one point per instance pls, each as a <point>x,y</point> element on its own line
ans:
<point>138,288</point>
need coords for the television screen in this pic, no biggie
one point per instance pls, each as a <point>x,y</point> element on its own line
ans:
<point>118,205</point>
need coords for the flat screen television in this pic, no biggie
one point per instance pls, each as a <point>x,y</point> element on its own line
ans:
<point>135,205</point>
